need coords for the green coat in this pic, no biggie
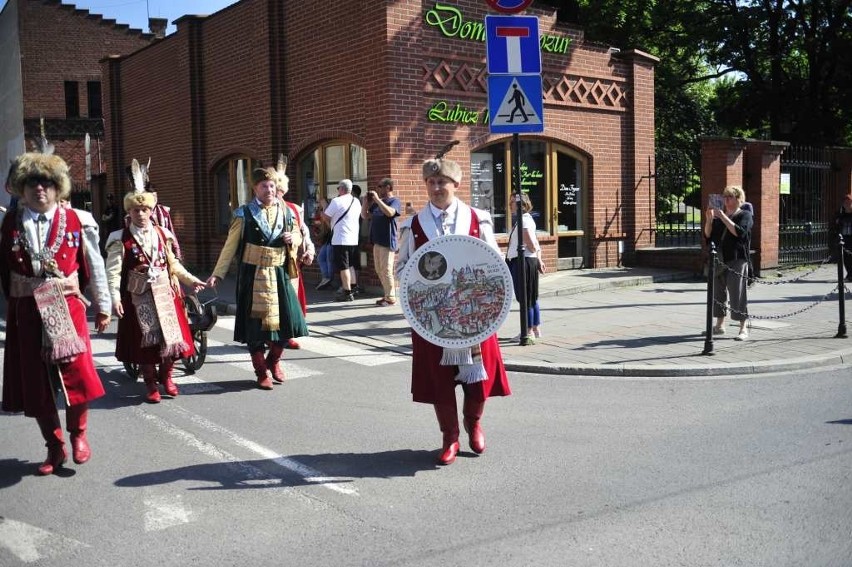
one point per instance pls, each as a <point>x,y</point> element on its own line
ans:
<point>257,231</point>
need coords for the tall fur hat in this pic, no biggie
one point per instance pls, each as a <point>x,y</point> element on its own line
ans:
<point>138,197</point>
<point>444,167</point>
<point>34,164</point>
<point>259,174</point>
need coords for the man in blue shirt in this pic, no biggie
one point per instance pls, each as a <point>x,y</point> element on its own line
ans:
<point>383,209</point>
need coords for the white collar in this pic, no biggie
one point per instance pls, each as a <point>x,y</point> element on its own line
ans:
<point>451,210</point>
<point>136,231</point>
<point>33,215</point>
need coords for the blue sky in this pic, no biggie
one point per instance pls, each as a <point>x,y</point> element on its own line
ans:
<point>135,12</point>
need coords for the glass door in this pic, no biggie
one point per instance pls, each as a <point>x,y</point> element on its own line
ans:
<point>569,209</point>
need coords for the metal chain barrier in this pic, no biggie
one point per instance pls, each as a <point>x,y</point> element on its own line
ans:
<point>724,306</point>
<point>719,268</point>
<point>825,297</point>
<point>827,260</point>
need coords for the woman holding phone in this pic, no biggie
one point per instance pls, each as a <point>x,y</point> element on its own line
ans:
<point>729,228</point>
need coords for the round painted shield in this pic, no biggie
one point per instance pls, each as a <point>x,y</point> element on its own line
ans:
<point>456,291</point>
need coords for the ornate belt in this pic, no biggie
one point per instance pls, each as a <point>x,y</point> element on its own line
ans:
<point>23,286</point>
<point>263,256</point>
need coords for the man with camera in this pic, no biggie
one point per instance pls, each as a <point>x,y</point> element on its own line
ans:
<point>383,209</point>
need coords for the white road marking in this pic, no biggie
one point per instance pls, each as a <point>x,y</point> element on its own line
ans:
<point>30,544</point>
<point>309,474</point>
<point>349,352</point>
<point>163,510</point>
<point>103,352</point>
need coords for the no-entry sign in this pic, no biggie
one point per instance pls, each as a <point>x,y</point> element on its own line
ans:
<point>509,6</point>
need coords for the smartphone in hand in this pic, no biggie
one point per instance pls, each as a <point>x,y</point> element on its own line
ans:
<point>716,201</point>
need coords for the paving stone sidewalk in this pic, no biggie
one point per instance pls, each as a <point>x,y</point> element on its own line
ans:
<point>631,322</point>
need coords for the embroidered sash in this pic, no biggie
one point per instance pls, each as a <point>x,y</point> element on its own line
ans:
<point>158,322</point>
<point>61,343</point>
<point>264,299</point>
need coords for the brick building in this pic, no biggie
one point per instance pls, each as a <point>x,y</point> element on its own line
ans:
<point>368,90</point>
<point>50,80</point>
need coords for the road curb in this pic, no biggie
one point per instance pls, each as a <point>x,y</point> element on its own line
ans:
<point>668,371</point>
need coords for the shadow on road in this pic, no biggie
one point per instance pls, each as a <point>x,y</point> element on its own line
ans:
<point>336,468</point>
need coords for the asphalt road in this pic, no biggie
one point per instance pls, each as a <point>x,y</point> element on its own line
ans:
<point>336,468</point>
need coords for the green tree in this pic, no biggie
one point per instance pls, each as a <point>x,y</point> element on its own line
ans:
<point>780,69</point>
<point>794,60</point>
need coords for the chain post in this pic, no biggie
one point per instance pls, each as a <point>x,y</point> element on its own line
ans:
<point>841,291</point>
<point>711,278</point>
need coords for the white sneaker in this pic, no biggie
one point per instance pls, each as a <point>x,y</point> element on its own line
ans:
<point>517,338</point>
<point>742,336</point>
<point>537,332</point>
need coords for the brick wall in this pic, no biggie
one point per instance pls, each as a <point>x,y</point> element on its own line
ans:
<point>360,72</point>
<point>61,43</point>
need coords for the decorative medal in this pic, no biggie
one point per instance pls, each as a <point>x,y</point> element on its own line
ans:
<point>51,266</point>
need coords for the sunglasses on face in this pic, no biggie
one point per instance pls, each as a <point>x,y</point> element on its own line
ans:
<point>34,182</point>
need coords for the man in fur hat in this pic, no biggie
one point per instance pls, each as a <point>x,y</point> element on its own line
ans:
<point>144,278</point>
<point>160,215</point>
<point>431,382</point>
<point>263,236</point>
<point>49,254</point>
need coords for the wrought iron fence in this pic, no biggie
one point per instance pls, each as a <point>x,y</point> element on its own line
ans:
<point>677,207</point>
<point>805,205</point>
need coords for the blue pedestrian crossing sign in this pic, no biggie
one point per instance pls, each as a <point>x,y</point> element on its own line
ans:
<point>515,104</point>
<point>512,45</point>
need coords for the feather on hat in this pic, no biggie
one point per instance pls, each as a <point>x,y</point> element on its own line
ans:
<point>138,197</point>
<point>283,182</point>
<point>443,167</point>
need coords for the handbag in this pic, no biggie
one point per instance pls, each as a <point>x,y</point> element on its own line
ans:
<point>137,282</point>
<point>509,245</point>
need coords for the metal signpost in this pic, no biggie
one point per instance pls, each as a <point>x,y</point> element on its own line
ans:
<point>515,104</point>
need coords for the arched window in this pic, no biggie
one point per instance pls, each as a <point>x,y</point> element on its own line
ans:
<point>554,177</point>
<point>321,169</point>
<point>233,188</point>
<point>491,181</point>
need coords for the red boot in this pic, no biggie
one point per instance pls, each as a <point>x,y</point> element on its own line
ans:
<point>51,430</point>
<point>149,374</point>
<point>77,418</point>
<point>260,370</point>
<point>472,414</point>
<point>167,366</point>
<point>448,420</point>
<point>272,362</point>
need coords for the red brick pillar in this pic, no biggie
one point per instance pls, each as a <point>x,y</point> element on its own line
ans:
<point>722,164</point>
<point>762,189</point>
<point>841,161</point>
<point>638,211</point>
<point>113,133</point>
